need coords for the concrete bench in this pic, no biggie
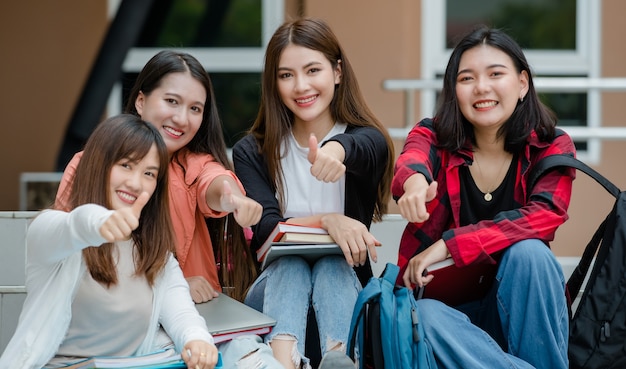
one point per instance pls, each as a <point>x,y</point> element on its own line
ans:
<point>13,225</point>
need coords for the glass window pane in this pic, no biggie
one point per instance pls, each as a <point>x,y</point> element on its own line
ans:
<point>570,109</point>
<point>238,97</point>
<point>534,24</point>
<point>203,23</point>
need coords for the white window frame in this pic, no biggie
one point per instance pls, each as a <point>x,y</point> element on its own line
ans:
<point>214,60</point>
<point>584,61</point>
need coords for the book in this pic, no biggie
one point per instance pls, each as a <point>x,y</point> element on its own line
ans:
<point>283,228</point>
<point>160,359</point>
<point>455,285</point>
<point>294,237</point>
<point>228,318</point>
<point>166,359</point>
<point>310,251</point>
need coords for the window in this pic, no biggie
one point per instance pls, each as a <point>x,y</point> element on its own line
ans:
<point>560,39</point>
<point>227,37</point>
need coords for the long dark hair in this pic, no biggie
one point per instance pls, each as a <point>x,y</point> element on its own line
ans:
<point>453,129</point>
<point>121,137</point>
<point>274,120</point>
<point>236,266</point>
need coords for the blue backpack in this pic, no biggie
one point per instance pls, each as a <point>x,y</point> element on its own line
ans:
<point>385,330</point>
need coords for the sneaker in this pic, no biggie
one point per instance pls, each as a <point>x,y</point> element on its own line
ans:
<point>336,360</point>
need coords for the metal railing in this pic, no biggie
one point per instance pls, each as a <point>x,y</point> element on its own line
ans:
<point>542,84</point>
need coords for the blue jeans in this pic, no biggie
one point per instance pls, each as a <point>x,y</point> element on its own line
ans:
<point>531,325</point>
<point>289,286</point>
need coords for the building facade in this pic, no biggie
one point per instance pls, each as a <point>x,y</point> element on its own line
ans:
<point>575,46</point>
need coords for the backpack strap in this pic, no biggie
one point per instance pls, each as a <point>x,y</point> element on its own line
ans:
<point>548,163</point>
<point>561,160</point>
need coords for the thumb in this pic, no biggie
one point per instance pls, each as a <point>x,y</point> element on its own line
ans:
<point>140,202</point>
<point>312,148</point>
<point>226,189</point>
<point>227,200</point>
<point>431,192</point>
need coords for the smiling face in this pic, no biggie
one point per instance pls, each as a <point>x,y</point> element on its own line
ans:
<point>175,108</point>
<point>488,87</point>
<point>306,84</point>
<point>129,178</point>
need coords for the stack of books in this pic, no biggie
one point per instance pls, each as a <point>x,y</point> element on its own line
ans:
<point>292,239</point>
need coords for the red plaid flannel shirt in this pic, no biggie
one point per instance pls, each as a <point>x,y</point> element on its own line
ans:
<point>538,215</point>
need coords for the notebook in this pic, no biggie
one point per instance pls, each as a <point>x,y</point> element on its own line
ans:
<point>454,286</point>
<point>160,359</point>
<point>228,318</point>
<point>310,252</point>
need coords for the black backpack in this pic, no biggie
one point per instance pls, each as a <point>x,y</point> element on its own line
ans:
<point>597,336</point>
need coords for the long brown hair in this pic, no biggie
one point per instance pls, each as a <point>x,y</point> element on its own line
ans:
<point>274,120</point>
<point>121,137</point>
<point>235,263</point>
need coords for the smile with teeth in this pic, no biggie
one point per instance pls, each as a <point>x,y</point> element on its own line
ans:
<point>307,100</point>
<point>173,131</point>
<point>126,196</point>
<point>485,104</point>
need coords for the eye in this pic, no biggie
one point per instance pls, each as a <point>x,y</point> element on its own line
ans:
<point>284,75</point>
<point>464,78</point>
<point>171,101</point>
<point>152,174</point>
<point>196,109</point>
<point>125,164</point>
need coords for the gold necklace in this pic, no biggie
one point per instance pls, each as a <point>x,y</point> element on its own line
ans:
<point>487,195</point>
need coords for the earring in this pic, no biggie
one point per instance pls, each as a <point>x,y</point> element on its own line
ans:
<point>521,99</point>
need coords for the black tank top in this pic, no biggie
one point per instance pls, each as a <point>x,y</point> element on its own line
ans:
<point>474,207</point>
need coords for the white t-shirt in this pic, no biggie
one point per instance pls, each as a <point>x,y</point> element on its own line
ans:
<point>126,313</point>
<point>304,194</point>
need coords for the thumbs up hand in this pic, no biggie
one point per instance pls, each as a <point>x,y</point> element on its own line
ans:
<point>327,161</point>
<point>246,211</point>
<point>124,221</point>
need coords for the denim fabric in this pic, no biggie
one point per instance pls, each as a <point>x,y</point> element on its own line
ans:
<point>532,329</point>
<point>247,351</point>
<point>287,288</point>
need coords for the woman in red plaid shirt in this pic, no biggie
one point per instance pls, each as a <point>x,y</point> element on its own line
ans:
<point>461,183</point>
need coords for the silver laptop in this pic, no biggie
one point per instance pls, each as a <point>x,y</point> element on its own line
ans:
<point>227,315</point>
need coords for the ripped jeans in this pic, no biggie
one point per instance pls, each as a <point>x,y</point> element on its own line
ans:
<point>289,286</point>
<point>247,351</point>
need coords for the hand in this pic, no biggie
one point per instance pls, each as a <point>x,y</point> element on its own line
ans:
<point>247,212</point>
<point>417,192</point>
<point>201,290</point>
<point>414,273</point>
<point>352,237</point>
<point>120,225</point>
<point>199,354</point>
<point>327,162</point>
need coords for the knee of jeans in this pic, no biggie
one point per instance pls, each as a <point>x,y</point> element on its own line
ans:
<point>259,359</point>
<point>329,265</point>
<point>298,358</point>
<point>530,255</point>
<point>291,263</point>
<point>247,351</point>
<point>292,260</point>
<point>527,253</point>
